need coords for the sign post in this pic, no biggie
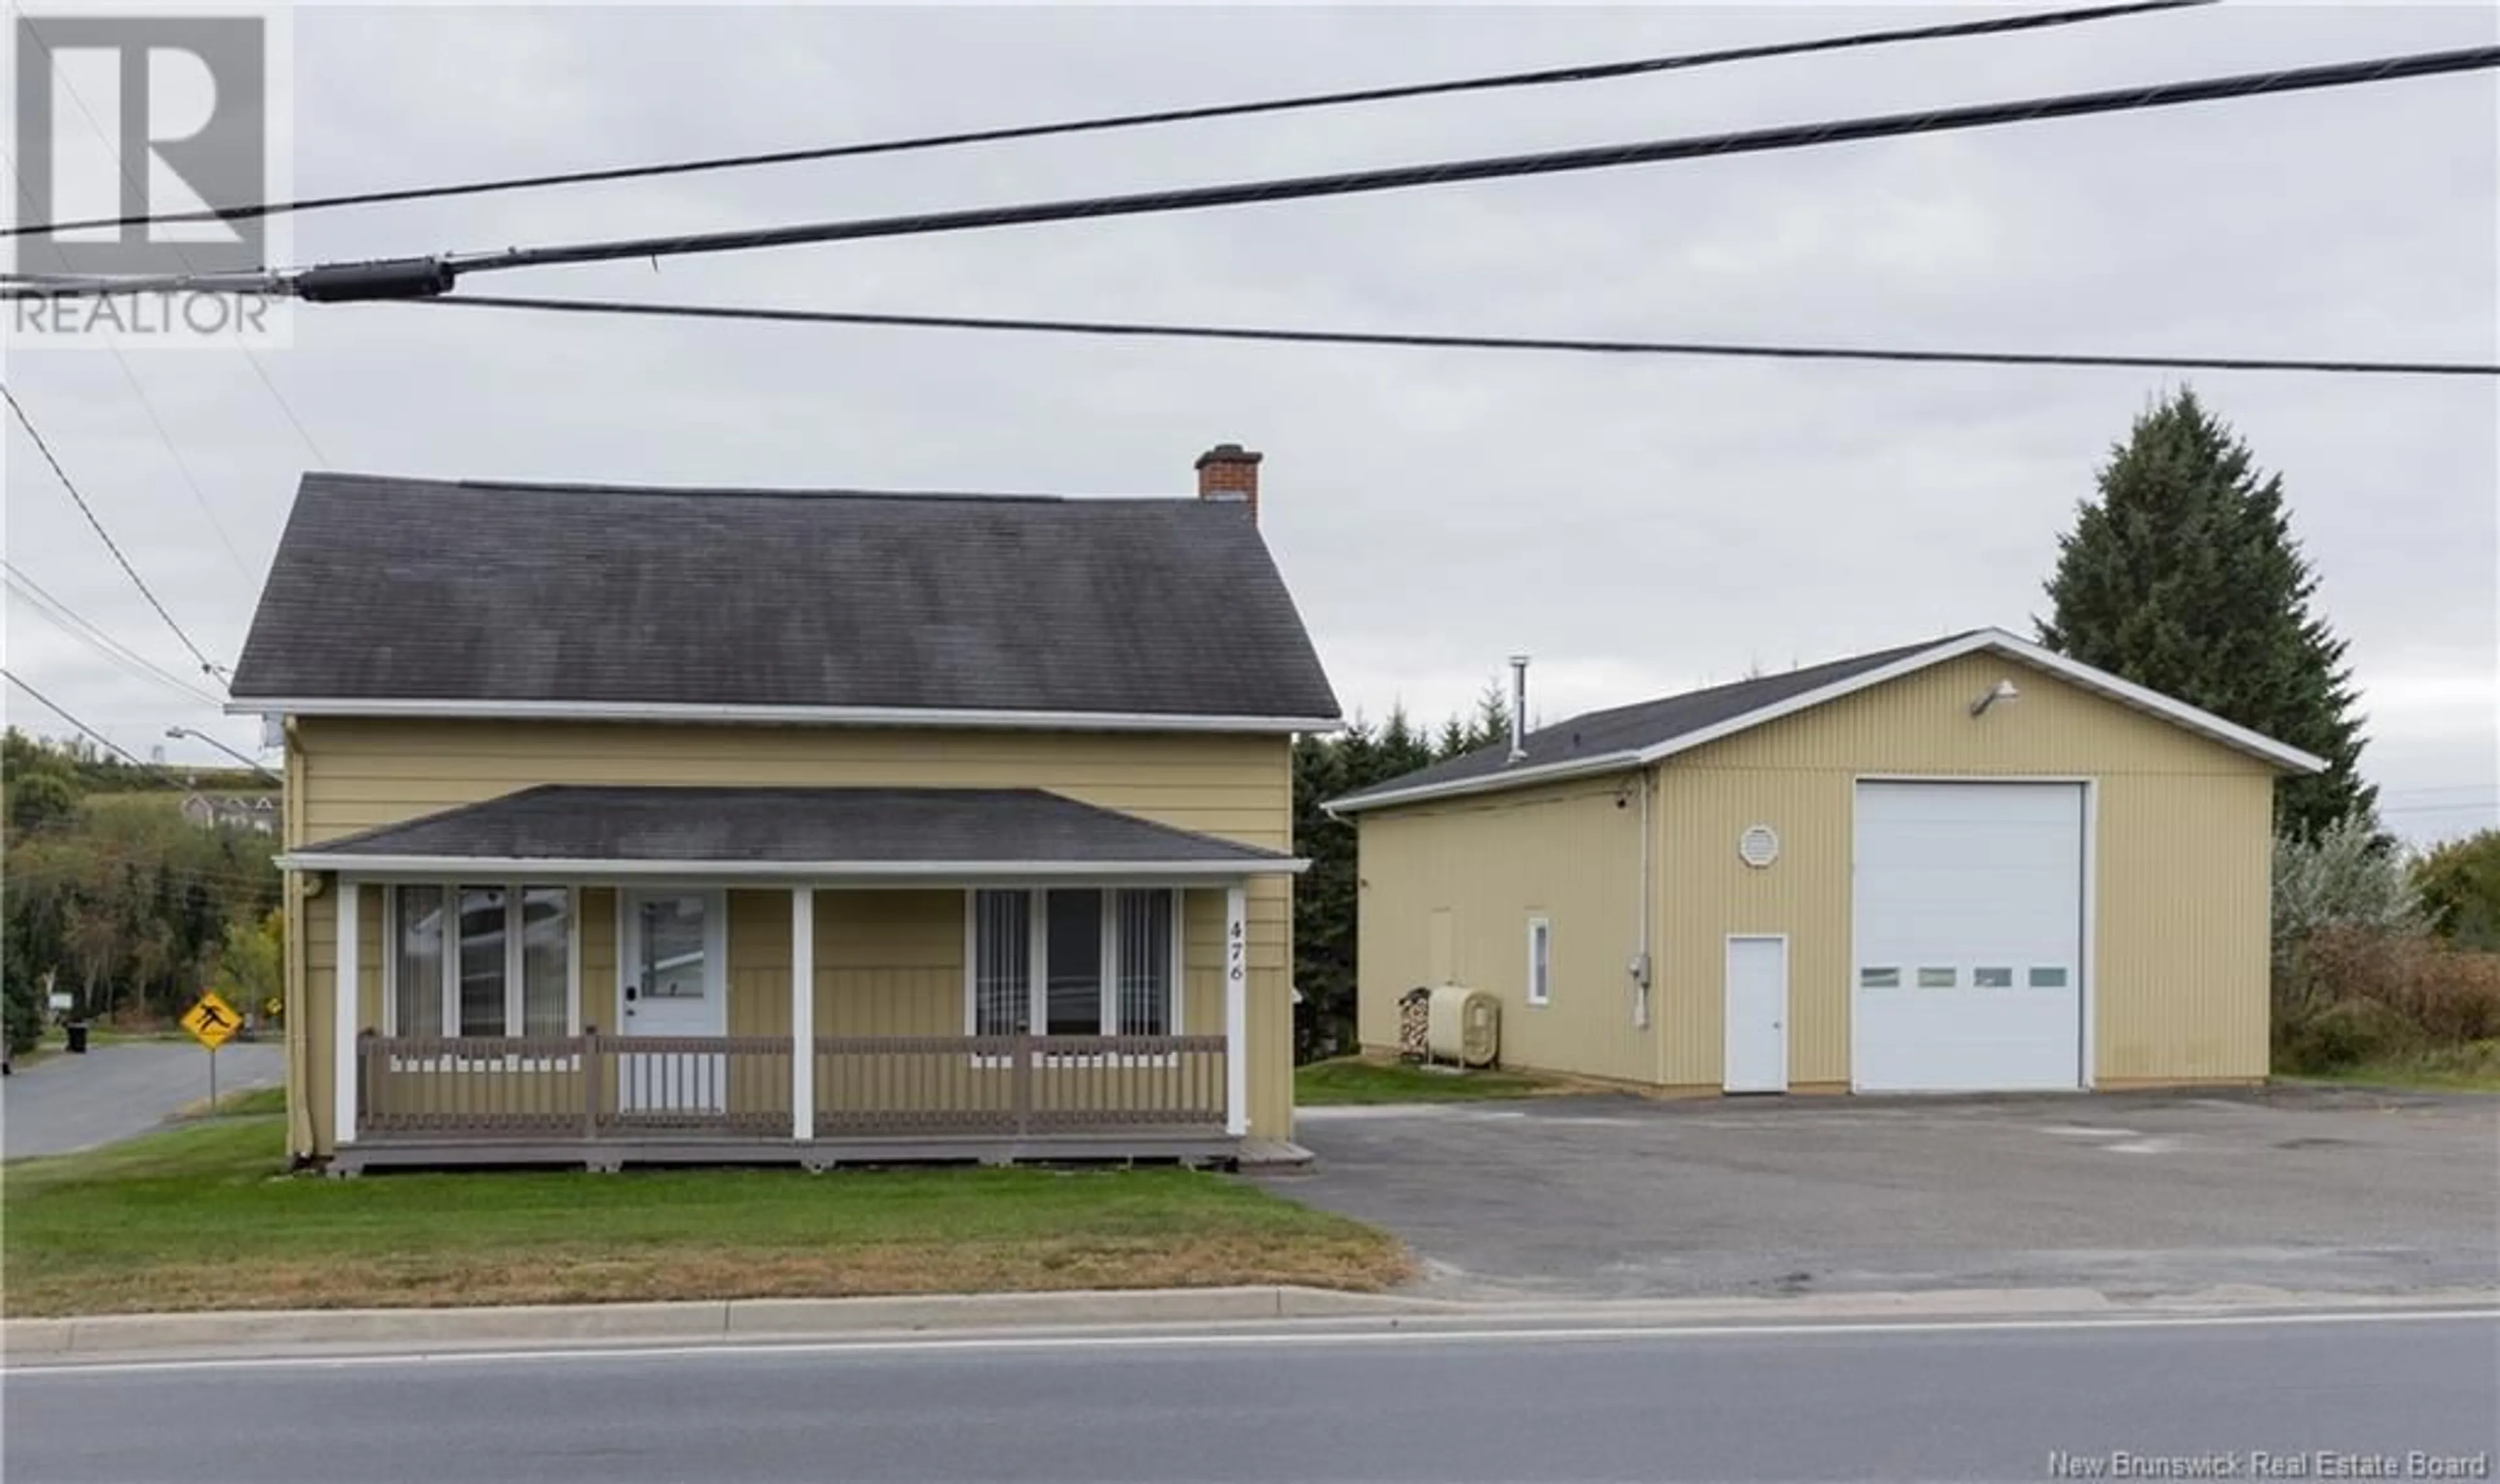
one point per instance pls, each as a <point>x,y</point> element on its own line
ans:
<point>211,1022</point>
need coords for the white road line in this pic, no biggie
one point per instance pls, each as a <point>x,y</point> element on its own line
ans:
<point>996,1344</point>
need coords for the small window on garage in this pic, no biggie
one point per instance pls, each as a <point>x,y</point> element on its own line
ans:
<point>1540,961</point>
<point>1938,978</point>
<point>1991,978</point>
<point>2053,976</point>
<point>1879,979</point>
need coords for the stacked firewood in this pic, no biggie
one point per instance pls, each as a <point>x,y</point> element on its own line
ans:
<point>1414,1023</point>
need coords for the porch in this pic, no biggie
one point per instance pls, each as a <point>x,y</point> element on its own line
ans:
<point>964,974</point>
<point>608,1100</point>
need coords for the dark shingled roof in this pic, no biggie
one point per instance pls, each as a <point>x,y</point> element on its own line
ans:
<point>414,589</point>
<point>883,826</point>
<point>1645,724</point>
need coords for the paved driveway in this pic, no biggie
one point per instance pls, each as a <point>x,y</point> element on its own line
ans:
<point>2128,1194</point>
<point>67,1102</point>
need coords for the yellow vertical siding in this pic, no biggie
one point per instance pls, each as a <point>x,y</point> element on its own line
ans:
<point>1458,881</point>
<point>600,997</point>
<point>2180,878</point>
<point>888,962</point>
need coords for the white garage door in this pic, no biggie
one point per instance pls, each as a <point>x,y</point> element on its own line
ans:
<point>1968,904</point>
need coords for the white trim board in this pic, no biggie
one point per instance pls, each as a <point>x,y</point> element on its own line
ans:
<point>788,716</point>
<point>1997,641</point>
<point>855,872</point>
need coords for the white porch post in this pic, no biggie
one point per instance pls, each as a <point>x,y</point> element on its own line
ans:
<point>344,1015</point>
<point>802,1013</point>
<point>1237,1011</point>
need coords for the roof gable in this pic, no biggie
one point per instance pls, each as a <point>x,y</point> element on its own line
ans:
<point>1651,732</point>
<point>389,590</point>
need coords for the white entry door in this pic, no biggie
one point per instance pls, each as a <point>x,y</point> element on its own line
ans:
<point>676,985</point>
<point>1757,1016</point>
<point>1968,906</point>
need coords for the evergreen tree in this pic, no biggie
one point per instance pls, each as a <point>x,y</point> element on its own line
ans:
<point>1491,722</point>
<point>1323,897</point>
<point>1401,750</point>
<point>2183,575</point>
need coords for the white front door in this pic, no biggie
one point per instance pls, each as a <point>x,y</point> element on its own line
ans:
<point>675,985</point>
<point>1967,902</point>
<point>1757,1016</point>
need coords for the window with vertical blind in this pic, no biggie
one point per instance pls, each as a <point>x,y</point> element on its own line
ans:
<point>1002,963</point>
<point>480,960</point>
<point>1107,962</point>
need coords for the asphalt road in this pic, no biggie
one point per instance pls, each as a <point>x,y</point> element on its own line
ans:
<point>1901,1402</point>
<point>2302,1190</point>
<point>66,1103</point>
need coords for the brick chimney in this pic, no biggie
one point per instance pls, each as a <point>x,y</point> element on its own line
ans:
<point>1229,472</point>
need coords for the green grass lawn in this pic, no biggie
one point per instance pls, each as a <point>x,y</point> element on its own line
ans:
<point>199,1218</point>
<point>2474,1067</point>
<point>1353,1080</point>
<point>251,1101</point>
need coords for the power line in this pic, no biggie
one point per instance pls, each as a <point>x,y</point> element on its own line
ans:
<point>144,591</point>
<point>1542,77</point>
<point>182,465</point>
<point>67,619</point>
<point>53,707</point>
<point>1446,173</point>
<point>427,277</point>
<point>1757,351</point>
<point>122,160</point>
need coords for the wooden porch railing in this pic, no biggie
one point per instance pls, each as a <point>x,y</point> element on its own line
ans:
<point>587,1086</point>
<point>596,1086</point>
<point>1016,1085</point>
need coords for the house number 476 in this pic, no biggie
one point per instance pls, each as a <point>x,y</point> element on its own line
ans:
<point>1236,954</point>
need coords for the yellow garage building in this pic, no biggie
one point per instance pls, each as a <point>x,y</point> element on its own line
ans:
<point>1959,866</point>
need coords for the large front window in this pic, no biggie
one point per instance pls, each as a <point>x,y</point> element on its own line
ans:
<point>1075,962</point>
<point>484,960</point>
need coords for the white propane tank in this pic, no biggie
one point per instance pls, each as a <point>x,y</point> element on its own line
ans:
<point>1463,1025</point>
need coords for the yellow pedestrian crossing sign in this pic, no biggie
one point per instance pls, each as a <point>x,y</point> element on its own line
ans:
<point>212,1021</point>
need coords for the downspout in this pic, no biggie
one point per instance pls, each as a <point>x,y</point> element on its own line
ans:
<point>1640,973</point>
<point>299,1071</point>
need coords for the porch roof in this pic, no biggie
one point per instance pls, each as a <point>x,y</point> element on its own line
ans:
<point>916,834</point>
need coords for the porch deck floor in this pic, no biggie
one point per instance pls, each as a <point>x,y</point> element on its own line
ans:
<point>697,1146</point>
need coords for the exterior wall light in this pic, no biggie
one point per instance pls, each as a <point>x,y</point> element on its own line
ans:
<point>2002,690</point>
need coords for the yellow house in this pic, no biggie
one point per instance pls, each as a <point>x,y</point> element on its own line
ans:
<point>1965,865</point>
<point>683,825</point>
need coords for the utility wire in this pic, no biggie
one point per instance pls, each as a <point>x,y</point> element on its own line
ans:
<point>53,707</point>
<point>427,277</point>
<point>68,620</point>
<point>1542,77</point>
<point>182,465</point>
<point>1757,351</point>
<point>1550,162</point>
<point>124,163</point>
<point>144,591</point>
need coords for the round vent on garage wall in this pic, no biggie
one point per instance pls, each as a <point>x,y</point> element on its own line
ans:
<point>1758,845</point>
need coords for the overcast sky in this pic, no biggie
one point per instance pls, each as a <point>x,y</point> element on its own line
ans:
<point>1638,526</point>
